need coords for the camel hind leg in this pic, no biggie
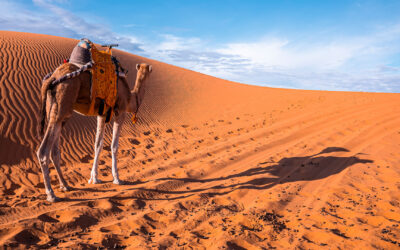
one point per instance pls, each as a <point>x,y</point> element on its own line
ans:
<point>53,130</point>
<point>55,158</point>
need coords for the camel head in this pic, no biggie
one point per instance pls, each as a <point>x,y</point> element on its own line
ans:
<point>143,72</point>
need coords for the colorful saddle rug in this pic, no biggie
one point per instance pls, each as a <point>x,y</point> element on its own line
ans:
<point>104,75</point>
<point>104,79</point>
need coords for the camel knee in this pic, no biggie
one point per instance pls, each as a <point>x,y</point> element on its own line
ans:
<point>99,144</point>
<point>114,147</point>
<point>43,156</point>
<point>55,153</point>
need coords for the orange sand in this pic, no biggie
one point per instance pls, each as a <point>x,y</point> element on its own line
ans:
<point>210,164</point>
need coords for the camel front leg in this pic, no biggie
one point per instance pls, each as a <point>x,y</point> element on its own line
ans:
<point>98,146</point>
<point>118,122</point>
<point>43,154</point>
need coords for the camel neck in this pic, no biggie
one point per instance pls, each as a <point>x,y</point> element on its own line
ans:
<point>136,87</point>
<point>136,95</point>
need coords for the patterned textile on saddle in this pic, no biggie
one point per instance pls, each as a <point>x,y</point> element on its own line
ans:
<point>104,75</point>
<point>104,79</point>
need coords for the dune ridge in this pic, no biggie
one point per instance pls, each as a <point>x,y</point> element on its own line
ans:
<point>210,164</point>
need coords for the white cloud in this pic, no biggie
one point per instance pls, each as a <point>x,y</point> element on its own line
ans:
<point>356,63</point>
<point>171,43</point>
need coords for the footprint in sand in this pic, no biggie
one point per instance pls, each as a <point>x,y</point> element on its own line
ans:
<point>86,159</point>
<point>138,204</point>
<point>46,218</point>
<point>26,237</point>
<point>134,141</point>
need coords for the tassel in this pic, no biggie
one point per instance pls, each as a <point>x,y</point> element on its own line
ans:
<point>134,118</point>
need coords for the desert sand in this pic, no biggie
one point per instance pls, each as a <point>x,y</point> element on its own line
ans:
<point>210,164</point>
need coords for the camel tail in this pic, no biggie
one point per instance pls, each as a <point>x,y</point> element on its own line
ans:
<point>43,98</point>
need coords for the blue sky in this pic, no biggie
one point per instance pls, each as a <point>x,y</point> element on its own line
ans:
<point>327,45</point>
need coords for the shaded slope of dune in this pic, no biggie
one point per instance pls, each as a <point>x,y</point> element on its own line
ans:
<point>210,163</point>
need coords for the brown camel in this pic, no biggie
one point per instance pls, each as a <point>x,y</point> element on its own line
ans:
<point>57,105</point>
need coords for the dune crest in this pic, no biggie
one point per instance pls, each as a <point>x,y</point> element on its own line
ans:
<point>210,164</point>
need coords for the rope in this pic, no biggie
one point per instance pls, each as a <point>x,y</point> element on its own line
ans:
<point>47,76</point>
<point>76,73</point>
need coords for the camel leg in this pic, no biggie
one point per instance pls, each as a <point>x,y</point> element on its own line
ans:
<point>97,149</point>
<point>53,130</point>
<point>55,158</point>
<point>118,122</point>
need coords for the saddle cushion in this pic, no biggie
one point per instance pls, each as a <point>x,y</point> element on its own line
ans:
<point>81,54</point>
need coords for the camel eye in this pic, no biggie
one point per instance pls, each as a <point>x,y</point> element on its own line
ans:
<point>137,66</point>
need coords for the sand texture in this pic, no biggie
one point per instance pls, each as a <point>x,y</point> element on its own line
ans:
<point>211,164</point>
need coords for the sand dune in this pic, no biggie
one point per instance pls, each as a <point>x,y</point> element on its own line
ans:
<point>210,164</point>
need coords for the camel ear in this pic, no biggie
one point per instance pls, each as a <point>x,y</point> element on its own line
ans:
<point>150,68</point>
<point>137,66</point>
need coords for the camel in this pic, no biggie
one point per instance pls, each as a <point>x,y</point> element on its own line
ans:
<point>58,104</point>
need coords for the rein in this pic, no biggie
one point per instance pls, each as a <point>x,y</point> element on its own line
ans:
<point>134,115</point>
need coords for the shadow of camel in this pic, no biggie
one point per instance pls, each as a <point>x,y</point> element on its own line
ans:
<point>305,168</point>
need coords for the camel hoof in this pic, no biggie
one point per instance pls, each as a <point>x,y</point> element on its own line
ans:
<point>118,182</point>
<point>53,198</point>
<point>65,188</point>
<point>94,181</point>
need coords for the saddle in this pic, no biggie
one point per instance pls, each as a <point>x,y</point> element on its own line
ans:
<point>104,74</point>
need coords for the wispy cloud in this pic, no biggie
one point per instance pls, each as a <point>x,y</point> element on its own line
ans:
<point>54,20</point>
<point>83,28</point>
